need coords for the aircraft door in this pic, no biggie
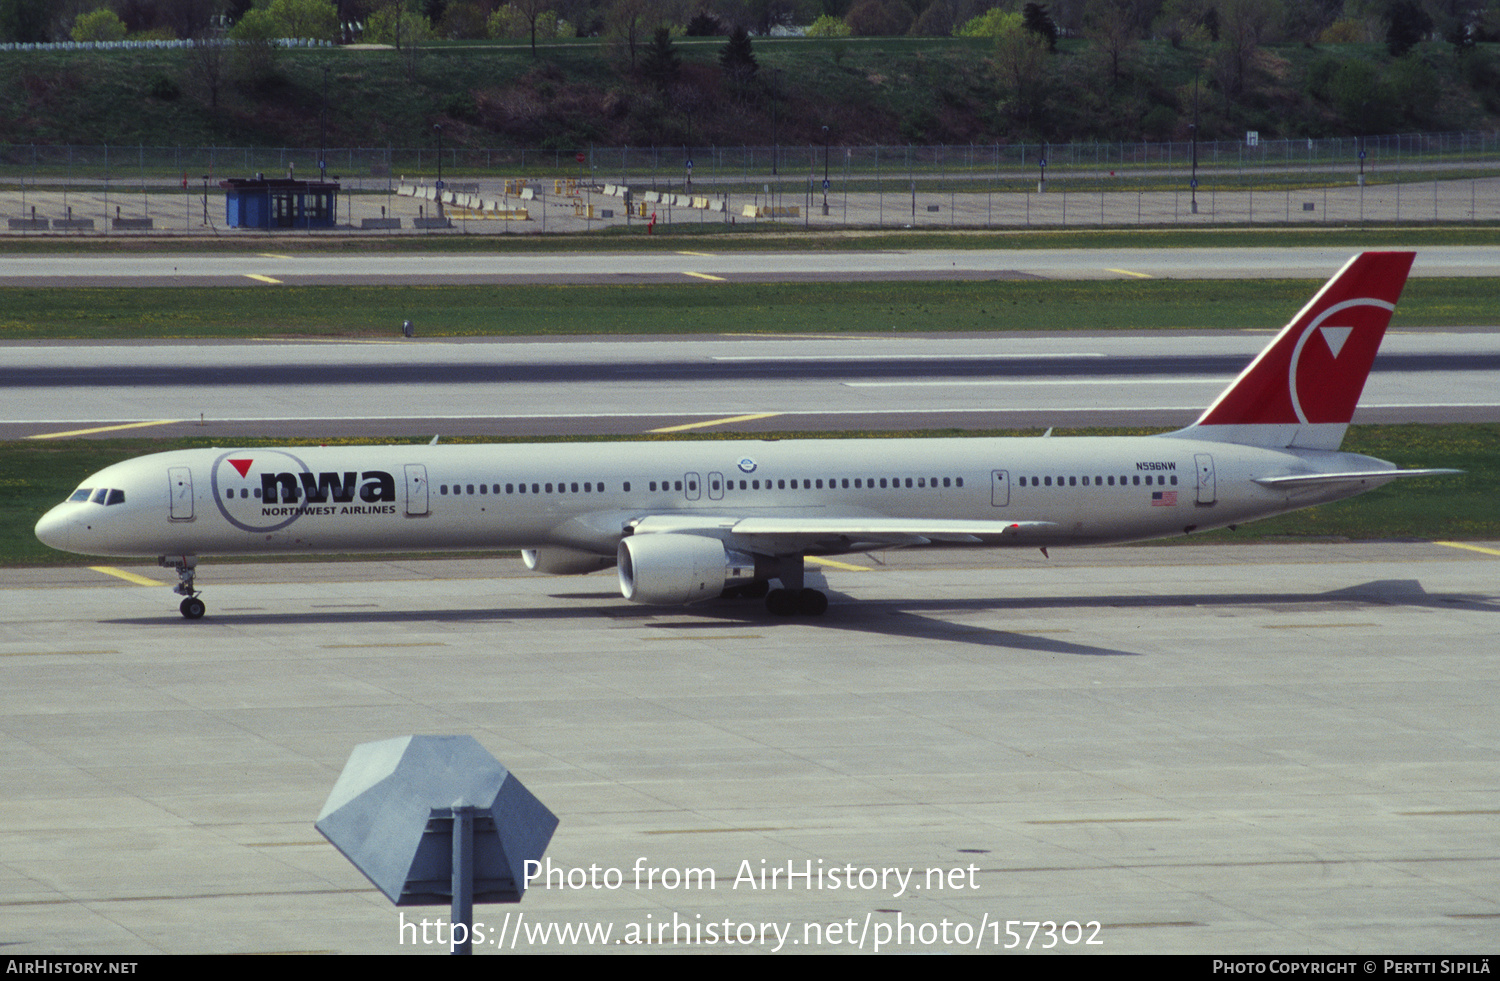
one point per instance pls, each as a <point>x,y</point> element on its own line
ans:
<point>690,486</point>
<point>416,490</point>
<point>716,487</point>
<point>180,487</point>
<point>1207,482</point>
<point>999,488</point>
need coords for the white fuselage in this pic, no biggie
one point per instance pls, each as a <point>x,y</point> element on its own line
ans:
<point>582,496</point>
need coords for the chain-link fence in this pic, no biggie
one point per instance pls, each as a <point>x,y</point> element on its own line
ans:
<point>1430,177</point>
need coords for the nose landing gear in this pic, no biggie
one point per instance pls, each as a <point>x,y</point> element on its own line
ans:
<point>192,608</point>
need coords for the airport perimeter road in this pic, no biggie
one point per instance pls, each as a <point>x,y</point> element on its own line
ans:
<point>633,385</point>
<point>1261,749</point>
<point>708,261</point>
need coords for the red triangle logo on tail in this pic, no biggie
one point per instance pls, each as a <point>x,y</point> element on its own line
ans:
<point>243,466</point>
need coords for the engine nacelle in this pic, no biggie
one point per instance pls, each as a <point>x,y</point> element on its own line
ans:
<point>678,569</point>
<point>564,561</point>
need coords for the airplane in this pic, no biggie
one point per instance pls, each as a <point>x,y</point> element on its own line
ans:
<point>692,521</point>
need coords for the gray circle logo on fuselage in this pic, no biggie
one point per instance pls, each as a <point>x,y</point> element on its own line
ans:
<point>239,478</point>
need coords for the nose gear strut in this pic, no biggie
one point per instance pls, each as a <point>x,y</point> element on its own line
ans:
<point>191,607</point>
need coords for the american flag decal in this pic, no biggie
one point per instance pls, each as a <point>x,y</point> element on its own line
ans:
<point>1163,499</point>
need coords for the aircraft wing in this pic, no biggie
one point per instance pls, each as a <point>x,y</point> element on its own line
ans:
<point>779,535</point>
<point>1351,477</point>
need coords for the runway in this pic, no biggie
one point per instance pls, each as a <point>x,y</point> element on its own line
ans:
<point>617,386</point>
<point>694,263</point>
<point>1261,749</point>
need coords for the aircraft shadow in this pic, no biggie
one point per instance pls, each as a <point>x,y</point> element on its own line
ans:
<point>914,619</point>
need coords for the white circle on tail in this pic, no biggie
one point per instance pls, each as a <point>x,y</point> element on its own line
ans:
<point>1335,336</point>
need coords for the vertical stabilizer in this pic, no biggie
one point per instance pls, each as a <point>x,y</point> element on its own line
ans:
<point>1302,389</point>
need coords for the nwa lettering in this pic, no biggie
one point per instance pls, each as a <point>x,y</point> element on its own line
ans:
<point>307,488</point>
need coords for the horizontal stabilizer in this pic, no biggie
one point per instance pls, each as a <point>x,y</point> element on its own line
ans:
<point>1352,477</point>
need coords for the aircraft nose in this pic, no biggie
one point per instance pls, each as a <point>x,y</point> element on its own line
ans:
<point>56,529</point>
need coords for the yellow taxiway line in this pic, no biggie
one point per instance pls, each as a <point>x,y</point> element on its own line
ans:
<point>835,564</point>
<point>104,429</point>
<point>715,422</point>
<point>131,577</point>
<point>712,279</point>
<point>1127,272</point>
<point>263,279</point>
<point>1472,548</point>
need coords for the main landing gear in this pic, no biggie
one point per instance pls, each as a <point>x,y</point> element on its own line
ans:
<point>794,598</point>
<point>191,607</point>
<point>796,602</point>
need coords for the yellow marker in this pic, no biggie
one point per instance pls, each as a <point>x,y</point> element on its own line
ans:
<point>104,429</point>
<point>1127,272</point>
<point>695,253</point>
<point>713,279</point>
<point>263,279</point>
<point>272,255</point>
<point>832,564</point>
<point>1472,548</point>
<point>715,422</point>
<point>110,570</point>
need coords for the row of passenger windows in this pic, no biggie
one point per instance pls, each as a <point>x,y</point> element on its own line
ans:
<point>104,495</point>
<point>1133,480</point>
<point>561,487</point>
<point>589,487</point>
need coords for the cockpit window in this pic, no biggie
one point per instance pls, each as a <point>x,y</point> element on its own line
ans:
<point>100,495</point>
<point>81,494</point>
<point>115,497</point>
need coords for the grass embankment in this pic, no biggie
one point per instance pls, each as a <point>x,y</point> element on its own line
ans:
<point>708,308</point>
<point>36,475</point>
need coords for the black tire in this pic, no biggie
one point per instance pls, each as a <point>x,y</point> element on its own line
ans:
<point>781,603</point>
<point>193,608</point>
<point>811,603</point>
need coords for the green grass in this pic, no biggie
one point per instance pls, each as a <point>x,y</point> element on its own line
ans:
<point>821,308</point>
<point>35,475</point>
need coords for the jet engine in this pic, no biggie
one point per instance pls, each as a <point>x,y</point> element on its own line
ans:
<point>679,569</point>
<point>564,561</point>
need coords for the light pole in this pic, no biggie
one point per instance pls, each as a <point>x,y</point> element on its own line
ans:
<point>1193,129</point>
<point>825,170</point>
<point>439,128</point>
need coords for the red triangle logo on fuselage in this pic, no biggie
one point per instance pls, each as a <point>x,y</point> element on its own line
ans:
<point>243,466</point>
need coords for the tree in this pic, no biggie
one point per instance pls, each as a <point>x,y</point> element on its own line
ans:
<point>662,64</point>
<point>315,19</point>
<point>207,66</point>
<point>256,34</point>
<point>627,23</point>
<point>1407,25</point>
<point>98,25</point>
<point>1040,23</point>
<point>828,26</point>
<point>736,57</point>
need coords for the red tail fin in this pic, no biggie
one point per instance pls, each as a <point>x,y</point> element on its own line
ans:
<point>1302,389</point>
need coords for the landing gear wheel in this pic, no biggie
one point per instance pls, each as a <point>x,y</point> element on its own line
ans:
<point>192,608</point>
<point>811,603</point>
<point>780,603</point>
